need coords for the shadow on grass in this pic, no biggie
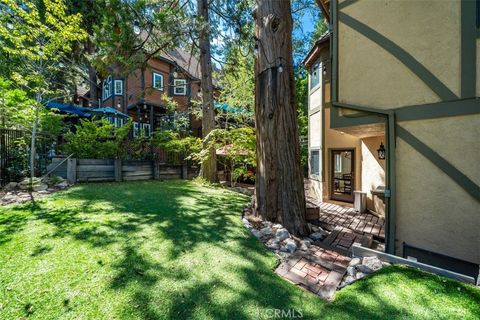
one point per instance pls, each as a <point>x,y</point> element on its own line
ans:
<point>179,218</point>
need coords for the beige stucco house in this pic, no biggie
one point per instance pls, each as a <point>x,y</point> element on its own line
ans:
<point>341,162</point>
<point>405,74</point>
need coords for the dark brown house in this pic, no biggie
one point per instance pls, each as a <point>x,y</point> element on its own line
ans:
<point>141,94</point>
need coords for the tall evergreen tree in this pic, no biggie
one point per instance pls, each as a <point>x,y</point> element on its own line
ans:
<point>280,194</point>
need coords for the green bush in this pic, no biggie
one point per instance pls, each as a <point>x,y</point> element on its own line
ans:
<point>18,160</point>
<point>172,141</point>
<point>96,139</point>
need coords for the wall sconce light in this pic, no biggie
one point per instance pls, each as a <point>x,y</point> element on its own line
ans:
<point>381,151</point>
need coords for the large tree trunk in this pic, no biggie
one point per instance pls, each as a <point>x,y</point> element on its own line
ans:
<point>209,166</point>
<point>280,194</point>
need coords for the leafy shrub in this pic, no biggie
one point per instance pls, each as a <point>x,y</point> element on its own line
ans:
<point>172,141</point>
<point>18,160</point>
<point>96,139</point>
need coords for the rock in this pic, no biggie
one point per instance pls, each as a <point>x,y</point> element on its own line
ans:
<point>355,261</point>
<point>360,275</point>
<point>282,234</point>
<point>11,186</point>
<point>245,221</point>
<point>40,187</point>
<point>313,227</point>
<point>64,184</point>
<point>277,226</point>
<point>267,223</point>
<point>352,272</point>
<point>385,264</point>
<point>290,245</point>
<point>307,241</point>
<point>256,233</point>
<point>267,231</point>
<point>317,236</point>
<point>303,247</point>
<point>8,197</point>
<point>373,263</point>
<point>273,245</point>
<point>349,279</point>
<point>364,269</point>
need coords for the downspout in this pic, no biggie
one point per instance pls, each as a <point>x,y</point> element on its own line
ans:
<point>390,220</point>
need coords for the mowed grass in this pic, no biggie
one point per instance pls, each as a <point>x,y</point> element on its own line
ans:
<point>178,250</point>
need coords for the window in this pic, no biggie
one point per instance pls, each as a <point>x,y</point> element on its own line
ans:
<point>157,81</point>
<point>146,129</point>
<point>118,87</point>
<point>179,87</point>
<point>315,162</point>
<point>107,88</point>
<point>315,75</point>
<point>135,129</point>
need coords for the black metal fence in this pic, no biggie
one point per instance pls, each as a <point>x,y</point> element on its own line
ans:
<point>15,154</point>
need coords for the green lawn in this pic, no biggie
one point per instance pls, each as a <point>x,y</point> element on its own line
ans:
<point>178,250</point>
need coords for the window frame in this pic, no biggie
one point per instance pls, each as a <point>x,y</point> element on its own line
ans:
<point>315,69</point>
<point>107,88</point>
<point>183,86</point>
<point>157,74</point>
<point>115,87</point>
<point>313,173</point>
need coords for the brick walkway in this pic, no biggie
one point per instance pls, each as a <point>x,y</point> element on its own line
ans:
<point>319,271</point>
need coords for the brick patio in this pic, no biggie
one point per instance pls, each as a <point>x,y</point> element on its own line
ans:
<point>321,269</point>
<point>334,215</point>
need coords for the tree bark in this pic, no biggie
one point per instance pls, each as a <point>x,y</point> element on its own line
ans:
<point>33,144</point>
<point>280,194</point>
<point>209,166</point>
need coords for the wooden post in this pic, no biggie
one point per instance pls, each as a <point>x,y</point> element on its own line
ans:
<point>72,171</point>
<point>118,170</point>
<point>184,171</point>
<point>156,170</point>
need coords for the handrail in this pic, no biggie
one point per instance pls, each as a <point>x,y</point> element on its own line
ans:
<point>55,168</point>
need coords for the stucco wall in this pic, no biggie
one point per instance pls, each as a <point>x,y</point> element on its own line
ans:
<point>427,30</point>
<point>373,172</point>
<point>315,130</point>
<point>434,212</point>
<point>337,140</point>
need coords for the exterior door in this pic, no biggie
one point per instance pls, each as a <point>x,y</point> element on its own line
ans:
<point>342,175</point>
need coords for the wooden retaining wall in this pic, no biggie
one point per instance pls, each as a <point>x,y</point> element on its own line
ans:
<point>91,170</point>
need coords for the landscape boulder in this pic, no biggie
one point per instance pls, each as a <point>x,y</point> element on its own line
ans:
<point>373,263</point>
<point>282,234</point>
<point>290,245</point>
<point>355,261</point>
<point>267,231</point>
<point>364,269</point>
<point>352,272</point>
<point>317,236</point>
<point>11,186</point>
